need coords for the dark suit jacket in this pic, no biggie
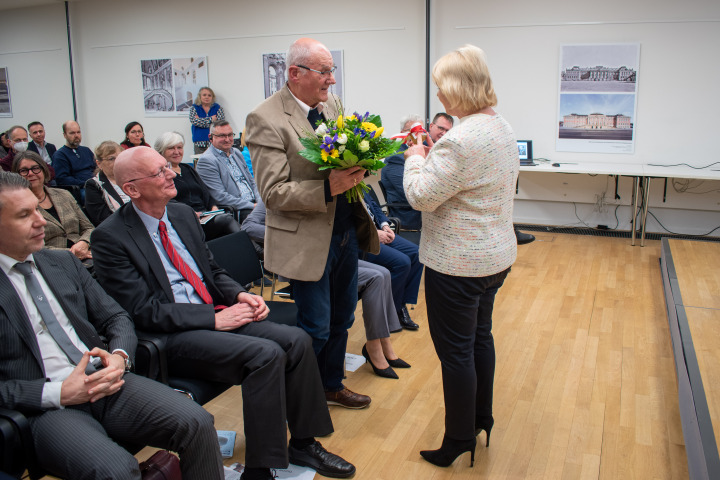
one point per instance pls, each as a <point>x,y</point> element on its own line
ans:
<point>129,267</point>
<point>95,205</point>
<point>90,310</point>
<point>48,146</point>
<point>392,178</point>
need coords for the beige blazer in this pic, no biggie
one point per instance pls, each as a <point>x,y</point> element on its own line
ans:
<point>299,223</point>
<point>73,224</point>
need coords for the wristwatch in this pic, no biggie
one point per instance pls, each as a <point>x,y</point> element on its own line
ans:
<point>128,363</point>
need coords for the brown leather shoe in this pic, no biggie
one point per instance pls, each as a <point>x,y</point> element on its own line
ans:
<point>347,398</point>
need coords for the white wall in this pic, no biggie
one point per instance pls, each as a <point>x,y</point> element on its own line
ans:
<point>677,104</point>
<point>33,46</point>
<point>111,37</point>
<point>384,46</point>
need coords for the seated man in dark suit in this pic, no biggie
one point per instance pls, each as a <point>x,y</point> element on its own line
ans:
<point>401,257</point>
<point>151,256</point>
<point>79,403</point>
<point>38,144</point>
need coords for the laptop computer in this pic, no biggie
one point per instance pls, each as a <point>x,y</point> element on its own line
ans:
<point>525,152</point>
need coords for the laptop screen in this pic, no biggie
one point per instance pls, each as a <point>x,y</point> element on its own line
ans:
<point>525,150</point>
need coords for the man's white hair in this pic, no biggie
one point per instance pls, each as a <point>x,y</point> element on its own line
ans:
<point>408,120</point>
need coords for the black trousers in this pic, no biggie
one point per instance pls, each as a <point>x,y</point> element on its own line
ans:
<point>460,320</point>
<point>278,371</point>
<point>220,225</point>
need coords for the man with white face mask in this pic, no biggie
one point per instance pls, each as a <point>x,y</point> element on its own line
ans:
<point>18,143</point>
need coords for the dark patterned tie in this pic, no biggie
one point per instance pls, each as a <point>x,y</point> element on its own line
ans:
<point>57,332</point>
<point>314,117</point>
<point>183,267</point>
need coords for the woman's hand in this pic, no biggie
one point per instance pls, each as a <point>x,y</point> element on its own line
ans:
<point>81,250</point>
<point>421,150</point>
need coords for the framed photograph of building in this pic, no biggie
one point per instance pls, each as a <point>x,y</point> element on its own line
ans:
<point>274,73</point>
<point>597,100</point>
<point>5,105</point>
<point>170,85</point>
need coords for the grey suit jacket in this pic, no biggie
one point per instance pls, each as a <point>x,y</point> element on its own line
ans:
<point>216,175</point>
<point>299,222</point>
<point>89,309</point>
<point>129,267</point>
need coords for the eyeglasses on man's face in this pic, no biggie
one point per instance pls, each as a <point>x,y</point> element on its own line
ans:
<point>324,73</point>
<point>26,171</point>
<point>226,135</point>
<point>159,174</point>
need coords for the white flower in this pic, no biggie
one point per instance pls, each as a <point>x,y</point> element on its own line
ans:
<point>321,129</point>
<point>342,139</point>
<point>364,146</point>
<point>341,148</point>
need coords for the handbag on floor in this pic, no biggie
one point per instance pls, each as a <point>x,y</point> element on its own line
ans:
<point>163,465</point>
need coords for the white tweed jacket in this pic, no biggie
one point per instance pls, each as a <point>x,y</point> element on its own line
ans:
<point>465,189</point>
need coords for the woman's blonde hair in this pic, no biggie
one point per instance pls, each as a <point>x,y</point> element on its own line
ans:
<point>197,99</point>
<point>464,79</point>
<point>107,147</point>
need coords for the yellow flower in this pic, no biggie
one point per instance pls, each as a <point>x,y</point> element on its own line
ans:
<point>324,155</point>
<point>339,122</point>
<point>380,131</point>
<point>369,127</point>
<point>335,153</point>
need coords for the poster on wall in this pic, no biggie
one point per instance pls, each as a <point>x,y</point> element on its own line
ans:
<point>5,105</point>
<point>597,101</point>
<point>274,68</point>
<point>170,85</point>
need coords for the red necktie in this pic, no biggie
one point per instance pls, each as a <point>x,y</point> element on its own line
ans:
<point>183,267</point>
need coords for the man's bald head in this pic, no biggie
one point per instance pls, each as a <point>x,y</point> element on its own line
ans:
<point>302,51</point>
<point>134,163</point>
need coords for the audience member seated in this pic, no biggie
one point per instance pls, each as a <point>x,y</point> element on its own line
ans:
<point>152,258</point>
<point>191,190</point>
<point>73,163</point>
<point>4,144</point>
<point>222,168</point>
<point>134,136</point>
<point>202,114</point>
<point>374,286</point>
<point>401,257</point>
<point>67,227</point>
<point>18,142</point>
<point>76,392</point>
<point>39,145</point>
<point>393,172</point>
<point>102,194</point>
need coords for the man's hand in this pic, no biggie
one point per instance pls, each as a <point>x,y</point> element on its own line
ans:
<point>79,388</point>
<point>343,180</point>
<point>234,317</point>
<point>386,235</point>
<point>260,309</point>
<point>81,250</point>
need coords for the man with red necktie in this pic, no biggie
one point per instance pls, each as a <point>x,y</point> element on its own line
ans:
<point>150,255</point>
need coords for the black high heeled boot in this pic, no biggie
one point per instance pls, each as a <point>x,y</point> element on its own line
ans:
<point>484,423</point>
<point>449,451</point>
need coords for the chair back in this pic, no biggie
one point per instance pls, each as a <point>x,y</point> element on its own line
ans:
<point>236,254</point>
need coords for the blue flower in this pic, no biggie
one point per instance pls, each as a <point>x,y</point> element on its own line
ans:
<point>328,143</point>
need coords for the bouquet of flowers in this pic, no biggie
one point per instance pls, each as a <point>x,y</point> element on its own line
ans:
<point>347,142</point>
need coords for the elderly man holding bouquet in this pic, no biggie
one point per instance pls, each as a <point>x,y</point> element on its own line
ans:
<point>313,230</point>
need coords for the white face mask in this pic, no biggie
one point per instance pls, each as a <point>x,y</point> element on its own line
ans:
<point>20,147</point>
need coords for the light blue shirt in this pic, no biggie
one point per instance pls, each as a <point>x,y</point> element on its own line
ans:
<point>182,290</point>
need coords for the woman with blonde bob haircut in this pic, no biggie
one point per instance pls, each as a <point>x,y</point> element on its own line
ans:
<point>464,185</point>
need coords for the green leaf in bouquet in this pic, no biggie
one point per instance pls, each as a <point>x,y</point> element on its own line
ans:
<point>349,156</point>
<point>312,154</point>
<point>309,142</point>
<point>375,120</point>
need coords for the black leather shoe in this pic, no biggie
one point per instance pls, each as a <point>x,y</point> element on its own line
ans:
<point>523,238</point>
<point>405,320</point>
<point>323,462</point>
